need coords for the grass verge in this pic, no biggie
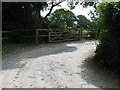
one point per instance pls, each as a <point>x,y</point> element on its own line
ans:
<point>12,47</point>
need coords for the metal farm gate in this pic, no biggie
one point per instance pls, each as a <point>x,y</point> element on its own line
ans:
<point>58,35</point>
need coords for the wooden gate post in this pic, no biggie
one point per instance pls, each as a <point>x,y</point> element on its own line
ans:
<point>79,34</point>
<point>36,37</point>
<point>49,35</point>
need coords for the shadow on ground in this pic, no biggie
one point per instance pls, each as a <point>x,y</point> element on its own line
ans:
<point>99,76</point>
<point>18,59</point>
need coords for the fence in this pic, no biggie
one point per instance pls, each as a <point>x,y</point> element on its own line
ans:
<point>58,35</point>
<point>18,36</point>
<point>46,35</point>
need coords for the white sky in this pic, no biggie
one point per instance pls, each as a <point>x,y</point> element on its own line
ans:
<point>79,10</point>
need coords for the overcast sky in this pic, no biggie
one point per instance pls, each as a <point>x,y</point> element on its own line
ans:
<point>79,10</point>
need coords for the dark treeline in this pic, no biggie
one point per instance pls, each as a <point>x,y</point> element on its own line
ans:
<point>20,17</point>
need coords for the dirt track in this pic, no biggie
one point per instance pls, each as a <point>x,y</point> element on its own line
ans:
<point>58,65</point>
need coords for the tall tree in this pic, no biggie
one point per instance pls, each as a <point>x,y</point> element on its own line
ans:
<point>62,19</point>
<point>83,22</point>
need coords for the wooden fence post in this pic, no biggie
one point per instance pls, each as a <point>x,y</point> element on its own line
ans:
<point>79,34</point>
<point>49,35</point>
<point>36,37</point>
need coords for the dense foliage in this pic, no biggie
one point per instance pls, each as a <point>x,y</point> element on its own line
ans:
<point>83,22</point>
<point>66,19</point>
<point>108,50</point>
<point>62,19</point>
<point>21,16</point>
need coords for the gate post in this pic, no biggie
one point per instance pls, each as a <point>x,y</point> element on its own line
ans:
<point>36,41</point>
<point>80,34</point>
<point>49,35</point>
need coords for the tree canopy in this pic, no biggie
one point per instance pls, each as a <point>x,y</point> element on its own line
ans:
<point>83,22</point>
<point>18,15</point>
<point>62,19</point>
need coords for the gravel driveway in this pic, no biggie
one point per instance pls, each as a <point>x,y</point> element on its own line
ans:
<point>56,65</point>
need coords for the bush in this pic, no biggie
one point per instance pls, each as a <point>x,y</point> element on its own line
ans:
<point>107,52</point>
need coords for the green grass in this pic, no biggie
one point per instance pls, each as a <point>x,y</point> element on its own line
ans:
<point>11,47</point>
